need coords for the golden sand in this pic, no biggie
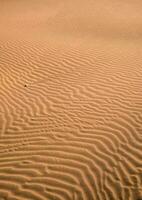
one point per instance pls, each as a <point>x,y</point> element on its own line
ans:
<point>70,100</point>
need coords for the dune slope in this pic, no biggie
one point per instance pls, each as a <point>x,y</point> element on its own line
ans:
<point>70,100</point>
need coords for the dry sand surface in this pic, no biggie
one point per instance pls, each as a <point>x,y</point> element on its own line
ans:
<point>70,100</point>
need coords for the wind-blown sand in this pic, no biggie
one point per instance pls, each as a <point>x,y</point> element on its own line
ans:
<point>70,100</point>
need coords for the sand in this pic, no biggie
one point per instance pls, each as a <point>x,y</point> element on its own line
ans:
<point>70,100</point>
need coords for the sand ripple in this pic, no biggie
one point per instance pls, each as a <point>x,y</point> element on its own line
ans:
<point>70,101</point>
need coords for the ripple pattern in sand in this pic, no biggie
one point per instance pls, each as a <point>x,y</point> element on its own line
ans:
<point>70,100</point>
<point>70,125</point>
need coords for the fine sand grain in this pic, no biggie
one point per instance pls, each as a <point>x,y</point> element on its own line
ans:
<point>70,100</point>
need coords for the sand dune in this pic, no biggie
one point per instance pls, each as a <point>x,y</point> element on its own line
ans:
<point>70,100</point>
